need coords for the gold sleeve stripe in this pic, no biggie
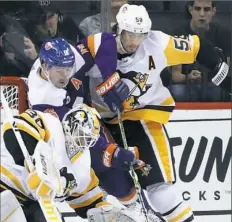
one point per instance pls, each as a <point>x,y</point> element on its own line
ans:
<point>87,202</point>
<point>24,127</point>
<point>93,183</point>
<point>32,121</point>
<point>74,158</point>
<point>91,46</point>
<point>13,178</point>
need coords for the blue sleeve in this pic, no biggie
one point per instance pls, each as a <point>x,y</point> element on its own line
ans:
<point>104,141</point>
<point>106,57</point>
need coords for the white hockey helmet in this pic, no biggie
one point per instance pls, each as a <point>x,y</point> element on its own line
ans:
<point>81,128</point>
<point>133,18</point>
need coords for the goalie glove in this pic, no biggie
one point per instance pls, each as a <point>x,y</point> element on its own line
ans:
<point>45,179</point>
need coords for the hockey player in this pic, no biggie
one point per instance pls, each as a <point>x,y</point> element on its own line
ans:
<point>50,91</point>
<point>68,144</point>
<point>126,76</point>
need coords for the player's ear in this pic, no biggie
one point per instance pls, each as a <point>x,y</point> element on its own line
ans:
<point>214,10</point>
<point>190,9</point>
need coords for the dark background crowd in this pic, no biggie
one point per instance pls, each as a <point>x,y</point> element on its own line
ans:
<point>24,25</point>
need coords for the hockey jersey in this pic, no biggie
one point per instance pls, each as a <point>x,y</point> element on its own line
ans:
<point>148,98</point>
<point>79,181</point>
<point>44,96</point>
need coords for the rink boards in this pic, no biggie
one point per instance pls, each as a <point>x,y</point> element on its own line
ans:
<point>202,146</point>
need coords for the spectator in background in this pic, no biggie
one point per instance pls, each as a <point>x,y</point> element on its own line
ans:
<point>46,21</point>
<point>190,81</point>
<point>17,52</point>
<point>92,24</point>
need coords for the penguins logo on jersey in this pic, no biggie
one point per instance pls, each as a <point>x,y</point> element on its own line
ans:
<point>138,86</point>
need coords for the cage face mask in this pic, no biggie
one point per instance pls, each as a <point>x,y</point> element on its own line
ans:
<point>81,128</point>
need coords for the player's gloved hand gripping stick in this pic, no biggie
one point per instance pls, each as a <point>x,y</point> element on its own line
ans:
<point>132,171</point>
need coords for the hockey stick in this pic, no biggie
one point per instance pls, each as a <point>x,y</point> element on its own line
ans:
<point>47,205</point>
<point>132,171</point>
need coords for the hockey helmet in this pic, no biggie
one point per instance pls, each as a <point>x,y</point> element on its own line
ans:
<point>133,18</point>
<point>57,52</point>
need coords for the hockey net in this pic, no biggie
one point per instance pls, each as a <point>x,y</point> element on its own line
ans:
<point>15,92</point>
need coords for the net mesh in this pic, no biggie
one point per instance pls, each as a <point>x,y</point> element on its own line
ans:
<point>14,90</point>
<point>12,96</point>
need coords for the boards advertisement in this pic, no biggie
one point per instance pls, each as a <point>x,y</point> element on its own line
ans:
<point>202,146</point>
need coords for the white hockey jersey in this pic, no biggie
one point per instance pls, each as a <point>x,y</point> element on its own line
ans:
<point>149,99</point>
<point>43,92</point>
<point>77,176</point>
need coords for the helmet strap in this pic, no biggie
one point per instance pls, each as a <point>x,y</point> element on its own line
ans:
<point>45,73</point>
<point>121,49</point>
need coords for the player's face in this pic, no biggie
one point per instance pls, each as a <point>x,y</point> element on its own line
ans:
<point>59,76</point>
<point>131,41</point>
<point>202,13</point>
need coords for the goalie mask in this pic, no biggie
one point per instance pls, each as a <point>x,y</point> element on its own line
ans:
<point>81,129</point>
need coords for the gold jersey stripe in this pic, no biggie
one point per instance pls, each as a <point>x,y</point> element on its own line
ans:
<point>159,116</point>
<point>93,183</point>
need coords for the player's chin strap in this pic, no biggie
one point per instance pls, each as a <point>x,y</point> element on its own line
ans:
<point>120,45</point>
<point>132,171</point>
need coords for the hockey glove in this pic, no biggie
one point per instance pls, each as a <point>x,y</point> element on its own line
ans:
<point>114,92</point>
<point>117,157</point>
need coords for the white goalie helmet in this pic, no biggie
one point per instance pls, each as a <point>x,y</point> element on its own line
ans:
<point>81,128</point>
<point>133,18</point>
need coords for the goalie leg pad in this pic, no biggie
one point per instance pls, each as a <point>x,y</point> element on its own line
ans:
<point>112,213</point>
<point>11,210</point>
